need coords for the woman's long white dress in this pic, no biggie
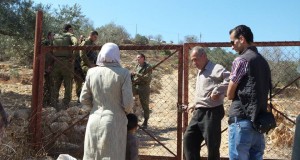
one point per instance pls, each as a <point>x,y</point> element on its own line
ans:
<point>108,92</point>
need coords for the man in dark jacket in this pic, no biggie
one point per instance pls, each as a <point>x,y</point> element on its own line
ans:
<point>250,80</point>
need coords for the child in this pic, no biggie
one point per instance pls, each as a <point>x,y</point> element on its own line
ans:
<point>132,141</point>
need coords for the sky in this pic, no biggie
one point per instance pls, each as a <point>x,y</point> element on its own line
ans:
<point>269,20</point>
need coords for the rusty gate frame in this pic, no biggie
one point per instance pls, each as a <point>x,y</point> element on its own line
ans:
<point>38,78</point>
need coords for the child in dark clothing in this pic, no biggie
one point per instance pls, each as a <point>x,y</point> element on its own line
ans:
<point>132,141</point>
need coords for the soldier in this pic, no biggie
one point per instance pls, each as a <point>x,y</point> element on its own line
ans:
<point>141,78</point>
<point>86,60</point>
<point>48,67</point>
<point>63,67</point>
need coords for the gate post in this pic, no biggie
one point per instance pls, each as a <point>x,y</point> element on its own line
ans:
<point>180,113</point>
<point>37,83</point>
<point>185,85</point>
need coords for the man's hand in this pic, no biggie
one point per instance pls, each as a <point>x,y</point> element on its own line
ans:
<point>133,73</point>
<point>48,69</point>
<point>187,109</point>
<point>214,97</point>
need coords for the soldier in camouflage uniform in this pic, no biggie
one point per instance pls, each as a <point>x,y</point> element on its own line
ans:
<point>48,67</point>
<point>63,67</point>
<point>141,79</point>
<point>85,60</point>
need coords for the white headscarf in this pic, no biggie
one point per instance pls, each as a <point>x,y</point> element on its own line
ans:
<point>109,53</point>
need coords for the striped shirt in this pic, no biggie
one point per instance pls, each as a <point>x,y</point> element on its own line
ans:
<point>238,70</point>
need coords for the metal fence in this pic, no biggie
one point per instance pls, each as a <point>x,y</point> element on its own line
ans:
<point>172,85</point>
<point>60,129</point>
<point>159,140</point>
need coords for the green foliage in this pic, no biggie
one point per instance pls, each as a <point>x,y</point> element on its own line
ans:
<point>284,72</point>
<point>154,42</point>
<point>283,67</point>
<point>17,18</point>
<point>112,33</point>
<point>190,39</point>
<point>220,56</point>
<point>18,25</point>
<point>16,49</point>
<point>141,40</point>
<point>166,52</point>
<point>158,38</point>
<point>14,73</point>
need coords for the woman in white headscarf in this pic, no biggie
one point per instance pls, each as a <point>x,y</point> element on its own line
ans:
<point>108,92</point>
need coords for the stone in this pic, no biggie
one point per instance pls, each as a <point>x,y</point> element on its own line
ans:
<point>58,126</point>
<point>67,119</point>
<point>73,111</point>
<point>82,121</point>
<point>75,136</point>
<point>50,118</point>
<point>23,114</point>
<point>48,110</point>
<point>47,131</point>
<point>84,110</point>
<point>66,146</point>
<point>62,113</point>
<point>63,138</point>
<point>80,129</point>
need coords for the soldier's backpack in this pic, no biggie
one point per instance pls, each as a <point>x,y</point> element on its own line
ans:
<point>62,40</point>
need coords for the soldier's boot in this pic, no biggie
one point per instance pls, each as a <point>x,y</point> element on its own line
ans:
<point>145,124</point>
<point>78,96</point>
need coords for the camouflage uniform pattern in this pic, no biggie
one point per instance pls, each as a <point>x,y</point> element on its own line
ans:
<point>63,71</point>
<point>88,57</point>
<point>47,79</point>
<point>85,60</point>
<point>141,86</point>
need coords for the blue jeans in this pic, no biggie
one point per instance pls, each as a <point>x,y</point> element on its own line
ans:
<point>245,143</point>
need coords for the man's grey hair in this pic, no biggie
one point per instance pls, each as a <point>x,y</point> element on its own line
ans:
<point>199,50</point>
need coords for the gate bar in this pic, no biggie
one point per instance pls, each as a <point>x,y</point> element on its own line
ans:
<point>35,121</point>
<point>179,100</point>
<point>257,44</point>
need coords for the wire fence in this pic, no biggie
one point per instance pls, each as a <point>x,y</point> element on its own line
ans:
<point>59,128</point>
<point>62,134</point>
<point>63,127</point>
<point>284,62</point>
<point>160,138</point>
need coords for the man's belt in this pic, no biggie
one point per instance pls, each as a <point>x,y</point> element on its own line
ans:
<point>63,56</point>
<point>235,119</point>
<point>140,84</point>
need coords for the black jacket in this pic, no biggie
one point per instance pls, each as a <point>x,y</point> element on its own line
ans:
<point>251,96</point>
